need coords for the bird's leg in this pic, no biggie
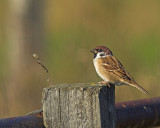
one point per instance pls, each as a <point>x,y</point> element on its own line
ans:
<point>105,82</point>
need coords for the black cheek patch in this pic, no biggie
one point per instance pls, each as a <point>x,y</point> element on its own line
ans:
<point>101,54</point>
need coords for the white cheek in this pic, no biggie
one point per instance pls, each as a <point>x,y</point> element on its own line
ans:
<point>99,55</point>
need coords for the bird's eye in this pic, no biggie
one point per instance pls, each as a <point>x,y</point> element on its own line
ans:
<point>99,50</point>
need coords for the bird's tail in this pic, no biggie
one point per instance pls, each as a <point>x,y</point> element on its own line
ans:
<point>140,88</point>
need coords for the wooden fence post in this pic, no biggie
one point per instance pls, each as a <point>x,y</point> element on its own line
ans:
<point>82,105</point>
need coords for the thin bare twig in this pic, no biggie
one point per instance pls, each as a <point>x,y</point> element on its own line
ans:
<point>36,57</point>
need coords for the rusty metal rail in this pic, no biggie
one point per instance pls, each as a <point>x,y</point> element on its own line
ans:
<point>137,114</point>
<point>28,121</point>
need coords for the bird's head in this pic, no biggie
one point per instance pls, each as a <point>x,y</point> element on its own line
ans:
<point>101,52</point>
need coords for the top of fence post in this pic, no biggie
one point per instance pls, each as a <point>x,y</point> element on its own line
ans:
<point>82,105</point>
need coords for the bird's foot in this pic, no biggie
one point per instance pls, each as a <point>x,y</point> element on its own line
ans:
<point>105,82</point>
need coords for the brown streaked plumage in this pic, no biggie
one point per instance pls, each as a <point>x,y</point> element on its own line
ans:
<point>111,70</point>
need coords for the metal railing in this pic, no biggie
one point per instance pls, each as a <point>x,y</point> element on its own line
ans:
<point>138,114</point>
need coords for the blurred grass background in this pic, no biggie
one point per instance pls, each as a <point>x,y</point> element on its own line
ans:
<point>131,29</point>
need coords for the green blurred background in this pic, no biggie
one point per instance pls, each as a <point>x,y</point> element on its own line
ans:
<point>63,33</point>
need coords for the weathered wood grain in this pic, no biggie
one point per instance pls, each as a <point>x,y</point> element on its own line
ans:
<point>83,105</point>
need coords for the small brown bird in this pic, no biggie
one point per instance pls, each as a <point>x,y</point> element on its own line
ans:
<point>111,70</point>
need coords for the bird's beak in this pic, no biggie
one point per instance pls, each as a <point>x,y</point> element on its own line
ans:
<point>94,51</point>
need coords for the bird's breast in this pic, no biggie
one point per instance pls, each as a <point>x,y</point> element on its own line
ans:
<point>105,74</point>
<point>100,70</point>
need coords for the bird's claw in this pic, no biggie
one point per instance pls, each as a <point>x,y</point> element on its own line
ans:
<point>105,82</point>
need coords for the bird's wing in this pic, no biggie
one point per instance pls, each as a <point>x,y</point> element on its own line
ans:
<point>113,65</point>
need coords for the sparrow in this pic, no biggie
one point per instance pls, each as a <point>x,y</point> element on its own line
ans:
<point>111,70</point>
